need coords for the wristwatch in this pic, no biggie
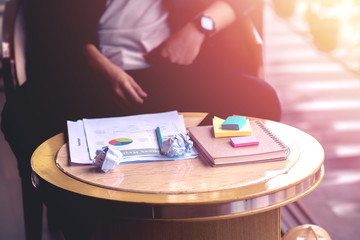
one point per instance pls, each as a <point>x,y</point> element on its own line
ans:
<point>205,24</point>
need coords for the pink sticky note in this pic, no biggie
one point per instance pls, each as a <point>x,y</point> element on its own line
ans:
<point>244,141</point>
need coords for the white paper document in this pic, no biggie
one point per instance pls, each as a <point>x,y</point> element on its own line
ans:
<point>134,136</point>
<point>77,143</point>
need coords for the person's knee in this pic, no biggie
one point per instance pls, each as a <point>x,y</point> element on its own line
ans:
<point>269,106</point>
<point>273,106</point>
<point>261,98</point>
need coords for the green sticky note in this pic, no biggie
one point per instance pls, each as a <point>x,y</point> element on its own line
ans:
<point>234,122</point>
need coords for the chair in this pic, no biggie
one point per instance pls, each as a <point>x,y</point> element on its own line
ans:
<point>14,75</point>
<point>13,46</point>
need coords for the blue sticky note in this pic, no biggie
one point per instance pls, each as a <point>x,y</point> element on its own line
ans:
<point>234,122</point>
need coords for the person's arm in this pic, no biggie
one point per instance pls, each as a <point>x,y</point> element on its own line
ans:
<point>184,45</point>
<point>123,84</point>
<point>222,13</point>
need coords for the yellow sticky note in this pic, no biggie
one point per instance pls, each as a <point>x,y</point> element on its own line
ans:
<point>219,132</point>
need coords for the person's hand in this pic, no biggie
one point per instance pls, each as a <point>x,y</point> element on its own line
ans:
<point>124,86</point>
<point>180,48</point>
<point>127,91</point>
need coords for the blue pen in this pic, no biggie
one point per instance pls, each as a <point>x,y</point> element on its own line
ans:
<point>159,137</point>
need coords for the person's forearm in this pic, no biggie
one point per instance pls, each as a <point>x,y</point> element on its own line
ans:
<point>222,13</point>
<point>183,46</point>
<point>124,86</point>
<point>96,60</point>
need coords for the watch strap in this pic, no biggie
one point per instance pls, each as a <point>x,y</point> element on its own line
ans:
<point>198,23</point>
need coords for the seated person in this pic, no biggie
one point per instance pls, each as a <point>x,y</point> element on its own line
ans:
<point>100,58</point>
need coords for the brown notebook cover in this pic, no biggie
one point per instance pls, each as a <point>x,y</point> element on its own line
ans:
<point>220,151</point>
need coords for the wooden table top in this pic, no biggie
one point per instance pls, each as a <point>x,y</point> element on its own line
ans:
<point>192,188</point>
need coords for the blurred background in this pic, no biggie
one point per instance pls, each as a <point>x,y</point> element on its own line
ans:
<point>312,58</point>
<point>333,26</point>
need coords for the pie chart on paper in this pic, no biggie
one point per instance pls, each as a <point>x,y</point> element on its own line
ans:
<point>120,141</point>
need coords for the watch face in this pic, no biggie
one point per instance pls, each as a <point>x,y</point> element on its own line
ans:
<point>207,23</point>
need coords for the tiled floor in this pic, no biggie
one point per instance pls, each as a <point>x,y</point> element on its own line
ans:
<point>318,96</point>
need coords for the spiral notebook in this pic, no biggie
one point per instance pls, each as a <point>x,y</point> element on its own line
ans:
<point>219,151</point>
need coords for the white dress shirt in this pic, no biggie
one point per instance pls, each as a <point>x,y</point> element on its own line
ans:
<point>128,29</point>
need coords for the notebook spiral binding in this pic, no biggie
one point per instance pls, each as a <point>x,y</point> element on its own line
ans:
<point>271,134</point>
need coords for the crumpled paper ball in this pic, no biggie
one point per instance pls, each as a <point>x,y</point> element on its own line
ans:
<point>107,158</point>
<point>177,145</point>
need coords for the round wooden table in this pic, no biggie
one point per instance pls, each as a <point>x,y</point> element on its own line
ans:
<point>187,199</point>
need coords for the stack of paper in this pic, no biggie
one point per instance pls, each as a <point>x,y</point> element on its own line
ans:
<point>134,136</point>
